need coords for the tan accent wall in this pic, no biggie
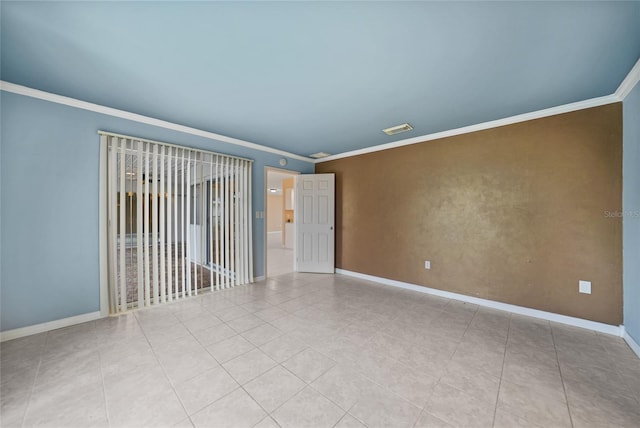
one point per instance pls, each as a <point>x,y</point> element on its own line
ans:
<point>514,214</point>
<point>275,215</point>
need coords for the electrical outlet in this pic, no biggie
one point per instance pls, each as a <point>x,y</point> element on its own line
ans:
<point>427,264</point>
<point>584,287</point>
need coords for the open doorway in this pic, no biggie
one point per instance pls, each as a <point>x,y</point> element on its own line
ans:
<point>279,221</point>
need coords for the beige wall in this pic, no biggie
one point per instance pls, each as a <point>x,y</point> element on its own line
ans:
<point>514,214</point>
<point>274,213</point>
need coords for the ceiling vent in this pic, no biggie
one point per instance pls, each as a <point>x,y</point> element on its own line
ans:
<point>320,155</point>
<point>398,129</point>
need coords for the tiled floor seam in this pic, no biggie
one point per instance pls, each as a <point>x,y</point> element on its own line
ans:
<point>249,394</point>
<point>504,362</point>
<point>452,355</point>
<point>564,388</point>
<point>155,355</point>
<point>104,388</point>
<point>33,385</point>
<point>301,380</point>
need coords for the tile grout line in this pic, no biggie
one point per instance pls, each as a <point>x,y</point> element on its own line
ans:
<point>104,388</point>
<point>504,362</point>
<point>155,355</point>
<point>616,367</point>
<point>240,386</point>
<point>564,389</point>
<point>239,297</point>
<point>443,310</point>
<point>33,385</point>
<point>221,366</point>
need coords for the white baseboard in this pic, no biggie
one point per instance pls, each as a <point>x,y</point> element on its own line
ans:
<point>535,313</point>
<point>259,278</point>
<point>632,343</point>
<point>48,326</point>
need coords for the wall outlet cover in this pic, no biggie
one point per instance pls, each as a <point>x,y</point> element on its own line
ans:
<point>427,264</point>
<point>584,287</point>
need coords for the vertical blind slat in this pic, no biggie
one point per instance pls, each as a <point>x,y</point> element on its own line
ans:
<point>182,229</point>
<point>174,213</point>
<point>123,225</point>
<point>187,222</point>
<point>227,230</point>
<point>239,246</point>
<point>162,226</point>
<point>217,221</point>
<point>154,222</point>
<point>145,243</point>
<point>169,208</point>
<point>243,229</point>
<point>176,248</point>
<point>194,226</point>
<point>210,207</point>
<point>113,225</point>
<point>139,211</point>
<point>235,251</point>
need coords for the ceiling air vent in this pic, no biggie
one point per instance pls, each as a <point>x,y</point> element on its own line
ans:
<point>398,129</point>
<point>319,155</point>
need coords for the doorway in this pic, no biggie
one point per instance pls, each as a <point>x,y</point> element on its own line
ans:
<point>279,221</point>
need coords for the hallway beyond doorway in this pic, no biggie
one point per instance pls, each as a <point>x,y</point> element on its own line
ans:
<point>279,258</point>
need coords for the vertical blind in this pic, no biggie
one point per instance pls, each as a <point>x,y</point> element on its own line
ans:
<point>179,221</point>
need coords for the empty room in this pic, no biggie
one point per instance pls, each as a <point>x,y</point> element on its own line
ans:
<point>320,214</point>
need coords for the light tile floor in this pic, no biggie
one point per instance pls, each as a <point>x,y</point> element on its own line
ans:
<point>279,259</point>
<point>306,350</point>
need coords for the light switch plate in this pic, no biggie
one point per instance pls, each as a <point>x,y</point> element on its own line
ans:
<point>427,264</point>
<point>584,287</point>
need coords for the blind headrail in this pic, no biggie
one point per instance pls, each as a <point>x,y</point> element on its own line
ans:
<point>146,140</point>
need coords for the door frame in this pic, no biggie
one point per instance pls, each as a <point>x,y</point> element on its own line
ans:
<point>266,194</point>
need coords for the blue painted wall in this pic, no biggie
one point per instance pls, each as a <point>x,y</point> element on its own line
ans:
<point>631,209</point>
<point>49,205</point>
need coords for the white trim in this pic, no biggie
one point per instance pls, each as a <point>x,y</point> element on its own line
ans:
<point>629,82</point>
<point>620,94</point>
<point>535,313</point>
<point>72,102</point>
<point>566,108</point>
<point>258,278</point>
<point>632,343</point>
<point>48,326</point>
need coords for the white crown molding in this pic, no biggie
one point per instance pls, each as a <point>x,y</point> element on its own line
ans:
<point>620,94</point>
<point>48,326</point>
<point>632,343</point>
<point>72,102</point>
<point>566,108</point>
<point>629,82</point>
<point>535,313</point>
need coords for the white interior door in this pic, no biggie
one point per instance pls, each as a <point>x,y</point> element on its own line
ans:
<point>314,223</point>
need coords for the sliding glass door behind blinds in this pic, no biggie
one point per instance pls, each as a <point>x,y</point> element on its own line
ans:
<point>179,221</point>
